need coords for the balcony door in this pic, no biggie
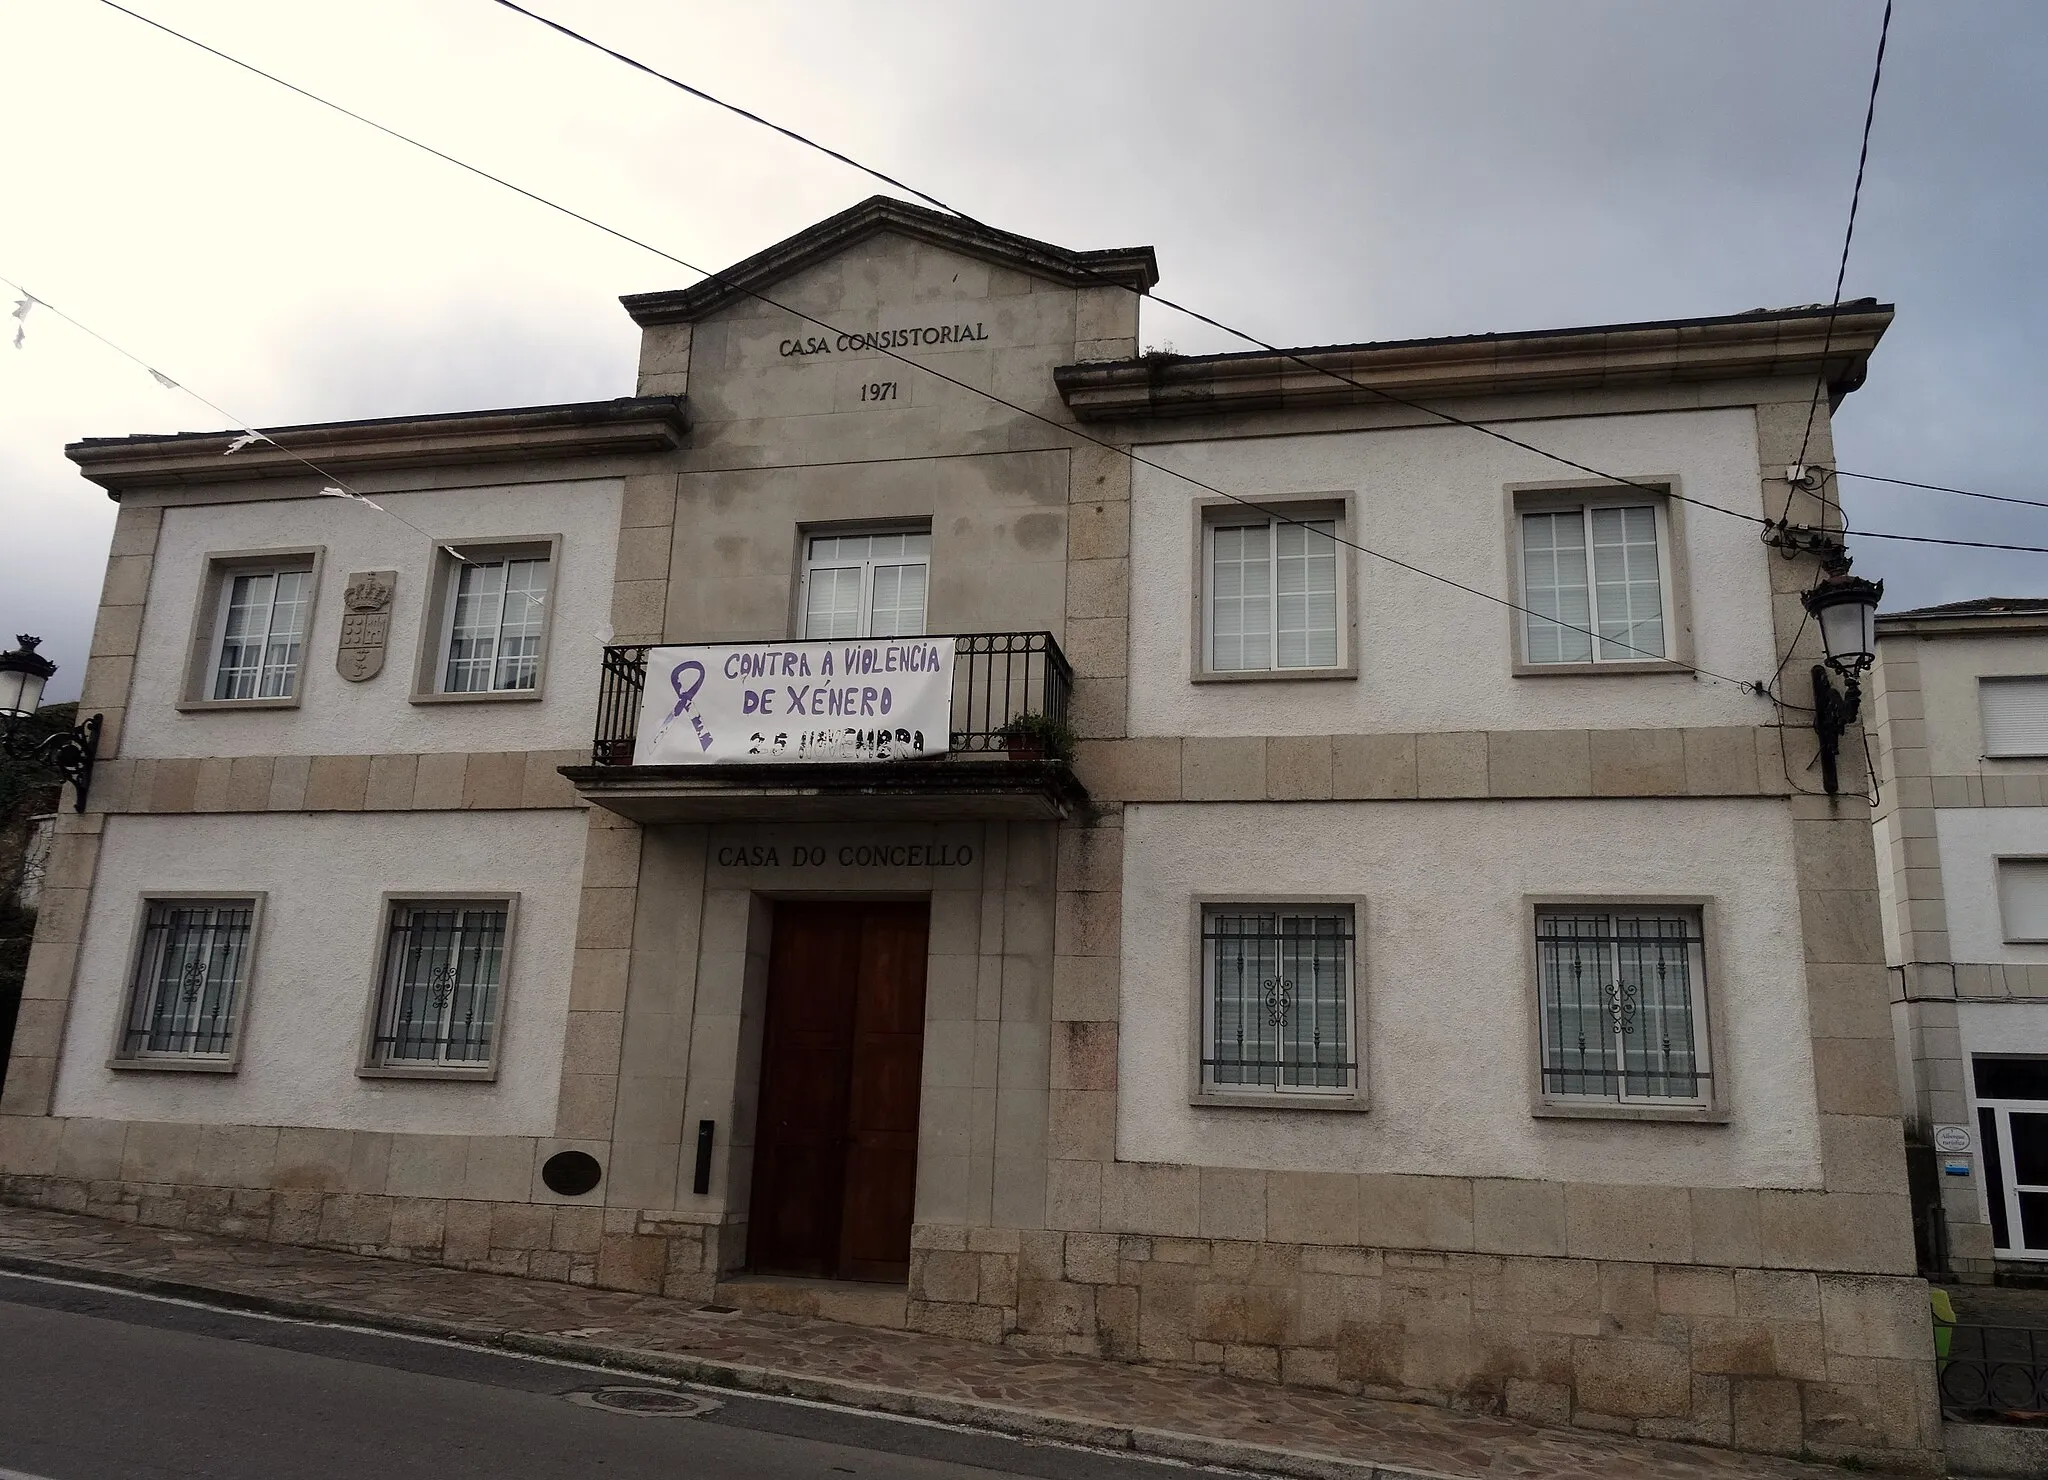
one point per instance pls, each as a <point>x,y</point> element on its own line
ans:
<point>835,1154</point>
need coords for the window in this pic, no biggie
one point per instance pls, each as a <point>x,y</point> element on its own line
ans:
<point>866,585</point>
<point>263,625</point>
<point>1277,1000</point>
<point>2023,898</point>
<point>1595,584</point>
<point>2015,716</point>
<point>495,625</point>
<point>185,1000</point>
<point>250,629</point>
<point>440,991</point>
<point>485,632</point>
<point>1273,595</point>
<point>1622,1005</point>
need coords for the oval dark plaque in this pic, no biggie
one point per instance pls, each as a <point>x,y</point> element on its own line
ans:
<point>571,1173</point>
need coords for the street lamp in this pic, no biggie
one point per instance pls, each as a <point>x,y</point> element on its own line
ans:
<point>69,753</point>
<point>1846,608</point>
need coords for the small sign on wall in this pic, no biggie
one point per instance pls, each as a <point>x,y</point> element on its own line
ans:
<point>865,699</point>
<point>365,624</point>
<point>1952,1138</point>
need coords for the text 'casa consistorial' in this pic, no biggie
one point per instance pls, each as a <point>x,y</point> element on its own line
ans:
<point>923,336</point>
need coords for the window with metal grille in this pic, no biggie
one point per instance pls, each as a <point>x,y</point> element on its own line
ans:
<point>262,628</point>
<point>866,585</point>
<point>442,985</point>
<point>190,977</point>
<point>1593,583</point>
<point>1623,1004</point>
<point>1273,595</point>
<point>1277,1002</point>
<point>496,619</point>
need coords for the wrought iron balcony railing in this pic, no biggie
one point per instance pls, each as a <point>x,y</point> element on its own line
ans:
<point>997,676</point>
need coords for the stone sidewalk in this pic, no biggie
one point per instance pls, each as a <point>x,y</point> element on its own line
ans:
<point>1207,1419</point>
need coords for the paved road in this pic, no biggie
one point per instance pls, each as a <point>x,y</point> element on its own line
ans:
<point>102,1385</point>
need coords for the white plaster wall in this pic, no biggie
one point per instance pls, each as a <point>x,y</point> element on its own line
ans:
<point>316,961</point>
<point>1429,657</point>
<point>336,717</point>
<point>1971,839</point>
<point>1447,983</point>
<point>1949,670</point>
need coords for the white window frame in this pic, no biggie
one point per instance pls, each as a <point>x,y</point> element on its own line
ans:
<point>1655,494</point>
<point>219,570</point>
<point>1212,514</point>
<point>379,1023</point>
<point>1709,1054</point>
<point>1205,1089</point>
<point>437,625</point>
<point>139,998</point>
<point>809,564</point>
<point>2001,1109</point>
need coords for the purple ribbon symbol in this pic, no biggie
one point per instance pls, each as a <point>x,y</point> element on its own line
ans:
<point>683,698</point>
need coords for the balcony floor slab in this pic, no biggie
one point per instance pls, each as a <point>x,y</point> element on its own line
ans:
<point>901,791</point>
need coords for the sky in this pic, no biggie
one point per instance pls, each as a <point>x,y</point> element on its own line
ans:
<point>1316,173</point>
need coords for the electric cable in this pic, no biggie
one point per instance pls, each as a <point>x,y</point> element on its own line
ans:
<point>1296,356</point>
<point>1293,355</point>
<point>1999,498</point>
<point>1064,429</point>
<point>1842,269</point>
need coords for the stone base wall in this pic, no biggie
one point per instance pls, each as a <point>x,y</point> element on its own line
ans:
<point>1780,1361</point>
<point>609,1248</point>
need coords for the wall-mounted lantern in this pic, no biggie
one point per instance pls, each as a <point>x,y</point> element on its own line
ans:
<point>70,753</point>
<point>1846,608</point>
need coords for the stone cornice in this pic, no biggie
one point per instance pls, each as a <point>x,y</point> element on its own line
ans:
<point>1961,624</point>
<point>1739,346</point>
<point>642,424</point>
<point>1124,267</point>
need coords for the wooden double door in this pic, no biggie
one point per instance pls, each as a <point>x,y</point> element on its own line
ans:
<point>835,1149</point>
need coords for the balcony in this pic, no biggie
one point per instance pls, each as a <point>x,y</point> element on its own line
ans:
<point>997,676</point>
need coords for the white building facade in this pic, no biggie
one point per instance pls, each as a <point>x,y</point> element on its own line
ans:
<point>1297,967</point>
<point>1962,711</point>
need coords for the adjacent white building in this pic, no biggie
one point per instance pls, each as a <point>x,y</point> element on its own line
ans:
<point>1963,825</point>
<point>1296,966</point>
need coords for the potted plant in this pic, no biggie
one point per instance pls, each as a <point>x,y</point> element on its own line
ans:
<point>1037,737</point>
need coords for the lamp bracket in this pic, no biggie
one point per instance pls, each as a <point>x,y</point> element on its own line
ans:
<point>70,753</point>
<point>1833,713</point>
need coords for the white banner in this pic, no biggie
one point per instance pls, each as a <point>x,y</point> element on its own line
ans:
<point>862,699</point>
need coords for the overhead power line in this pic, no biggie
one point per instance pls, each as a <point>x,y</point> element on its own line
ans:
<point>1063,428</point>
<point>1294,356</point>
<point>1884,31</point>
<point>1997,498</point>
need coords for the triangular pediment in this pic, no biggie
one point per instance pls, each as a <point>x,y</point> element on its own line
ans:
<point>1124,267</point>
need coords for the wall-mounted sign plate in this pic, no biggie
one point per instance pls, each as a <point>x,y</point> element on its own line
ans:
<point>1956,1168</point>
<point>1953,1138</point>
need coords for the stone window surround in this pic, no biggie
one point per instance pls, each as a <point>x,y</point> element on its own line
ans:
<point>367,1064</point>
<point>1358,1097</point>
<point>1536,497</point>
<point>1207,513</point>
<point>1541,1105</point>
<point>447,559</point>
<point>202,649</point>
<point>119,1055</point>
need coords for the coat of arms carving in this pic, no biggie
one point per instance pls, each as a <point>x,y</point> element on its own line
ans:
<point>365,624</point>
